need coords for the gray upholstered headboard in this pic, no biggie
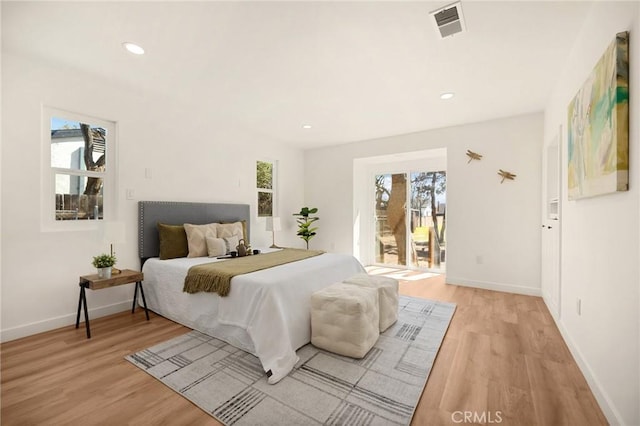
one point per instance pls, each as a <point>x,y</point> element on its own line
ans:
<point>177,213</point>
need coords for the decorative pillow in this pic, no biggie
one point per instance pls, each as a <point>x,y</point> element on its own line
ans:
<point>196,238</point>
<point>231,243</point>
<point>244,232</point>
<point>216,246</point>
<point>173,241</point>
<point>233,229</point>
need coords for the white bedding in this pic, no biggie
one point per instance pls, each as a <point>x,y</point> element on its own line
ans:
<point>266,313</point>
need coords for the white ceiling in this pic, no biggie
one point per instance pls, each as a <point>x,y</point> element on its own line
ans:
<point>354,71</point>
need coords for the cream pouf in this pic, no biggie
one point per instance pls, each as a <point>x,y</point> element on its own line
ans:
<point>387,296</point>
<point>344,319</point>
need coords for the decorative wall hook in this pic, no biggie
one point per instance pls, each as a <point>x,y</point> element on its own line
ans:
<point>473,156</point>
<point>506,175</point>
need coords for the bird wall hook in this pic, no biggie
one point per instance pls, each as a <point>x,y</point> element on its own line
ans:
<point>473,156</point>
<point>506,175</point>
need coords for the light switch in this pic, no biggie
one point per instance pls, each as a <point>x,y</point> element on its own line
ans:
<point>131,194</point>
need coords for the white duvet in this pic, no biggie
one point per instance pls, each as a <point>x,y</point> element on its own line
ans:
<point>266,313</point>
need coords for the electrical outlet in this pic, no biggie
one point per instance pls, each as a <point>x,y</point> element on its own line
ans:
<point>579,306</point>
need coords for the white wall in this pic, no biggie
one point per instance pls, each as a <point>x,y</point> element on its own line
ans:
<point>188,158</point>
<point>1,127</point>
<point>600,245</point>
<point>498,222</point>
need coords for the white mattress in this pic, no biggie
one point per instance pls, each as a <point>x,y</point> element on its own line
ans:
<point>266,313</point>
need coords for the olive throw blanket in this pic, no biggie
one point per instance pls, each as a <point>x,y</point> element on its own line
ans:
<point>216,276</point>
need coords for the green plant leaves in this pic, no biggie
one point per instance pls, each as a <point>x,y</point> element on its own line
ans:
<point>304,223</point>
<point>103,261</point>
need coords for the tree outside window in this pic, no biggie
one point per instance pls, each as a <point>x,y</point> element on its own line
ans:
<point>428,190</point>
<point>265,172</point>
<point>81,170</point>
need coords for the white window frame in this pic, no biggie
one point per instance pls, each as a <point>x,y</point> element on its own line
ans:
<point>363,184</point>
<point>274,184</point>
<point>47,192</point>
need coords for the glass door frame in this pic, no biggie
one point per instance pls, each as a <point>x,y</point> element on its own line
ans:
<point>374,222</point>
<point>410,264</point>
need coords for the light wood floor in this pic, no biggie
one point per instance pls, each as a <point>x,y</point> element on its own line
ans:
<point>502,360</point>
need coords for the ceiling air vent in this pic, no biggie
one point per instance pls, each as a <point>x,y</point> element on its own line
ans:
<point>448,20</point>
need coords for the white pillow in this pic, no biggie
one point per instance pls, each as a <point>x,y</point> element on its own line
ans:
<point>230,230</point>
<point>196,235</point>
<point>216,246</point>
<point>232,243</point>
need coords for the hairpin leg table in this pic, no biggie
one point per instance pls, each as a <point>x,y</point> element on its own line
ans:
<point>92,282</point>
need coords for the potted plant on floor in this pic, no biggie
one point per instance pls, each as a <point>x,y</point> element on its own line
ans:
<point>104,263</point>
<point>305,231</point>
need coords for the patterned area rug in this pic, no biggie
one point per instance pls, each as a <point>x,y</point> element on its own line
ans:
<point>324,388</point>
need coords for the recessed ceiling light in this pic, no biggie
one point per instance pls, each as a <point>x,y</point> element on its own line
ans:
<point>306,126</point>
<point>447,95</point>
<point>133,48</point>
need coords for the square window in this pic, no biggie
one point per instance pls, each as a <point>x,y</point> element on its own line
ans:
<point>70,140</point>
<point>72,203</point>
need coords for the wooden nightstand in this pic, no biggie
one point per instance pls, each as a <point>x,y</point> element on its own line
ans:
<point>126,276</point>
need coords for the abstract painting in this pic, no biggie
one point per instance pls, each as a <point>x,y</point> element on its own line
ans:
<point>598,126</point>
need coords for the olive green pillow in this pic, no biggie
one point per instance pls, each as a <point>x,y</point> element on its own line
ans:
<point>173,241</point>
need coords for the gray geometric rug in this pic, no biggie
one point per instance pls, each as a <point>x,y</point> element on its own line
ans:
<point>323,389</point>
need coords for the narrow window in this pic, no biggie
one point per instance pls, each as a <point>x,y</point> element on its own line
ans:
<point>265,173</point>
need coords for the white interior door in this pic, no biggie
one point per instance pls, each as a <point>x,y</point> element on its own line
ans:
<point>551,219</point>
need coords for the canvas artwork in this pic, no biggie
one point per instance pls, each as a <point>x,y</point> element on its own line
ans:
<point>598,124</point>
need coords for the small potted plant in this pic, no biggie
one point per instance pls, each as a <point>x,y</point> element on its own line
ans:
<point>104,262</point>
<point>305,231</point>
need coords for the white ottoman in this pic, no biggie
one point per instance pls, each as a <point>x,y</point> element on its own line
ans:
<point>387,296</point>
<point>344,319</point>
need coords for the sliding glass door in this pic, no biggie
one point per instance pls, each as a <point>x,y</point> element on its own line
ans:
<point>428,219</point>
<point>410,219</point>
<point>391,222</point>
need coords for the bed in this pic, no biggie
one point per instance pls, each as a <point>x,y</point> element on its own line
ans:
<point>266,313</point>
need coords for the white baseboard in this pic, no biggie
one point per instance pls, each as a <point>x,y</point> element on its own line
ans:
<point>554,310</point>
<point>608,408</point>
<point>507,288</point>
<point>61,321</point>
